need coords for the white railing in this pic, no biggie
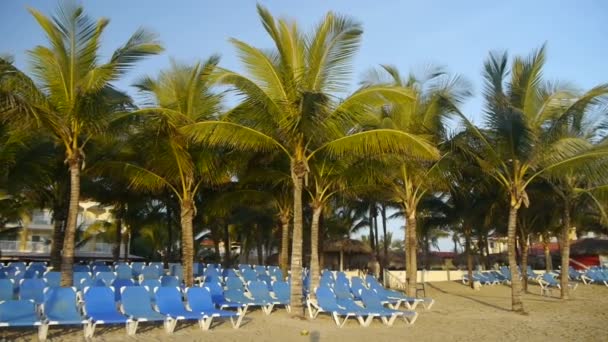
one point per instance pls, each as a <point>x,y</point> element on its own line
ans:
<point>42,247</point>
<point>30,246</point>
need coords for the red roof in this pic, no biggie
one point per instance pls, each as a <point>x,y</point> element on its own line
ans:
<point>444,255</point>
<point>539,248</point>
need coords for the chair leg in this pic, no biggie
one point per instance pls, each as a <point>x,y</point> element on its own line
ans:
<point>43,330</point>
<point>428,305</point>
<point>411,321</point>
<point>389,322</point>
<point>170,324</point>
<point>205,323</point>
<point>236,323</point>
<point>368,321</point>
<point>132,327</point>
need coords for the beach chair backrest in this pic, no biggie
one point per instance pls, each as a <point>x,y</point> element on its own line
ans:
<point>117,284</point>
<point>53,279</point>
<point>234,283</point>
<point>169,299</point>
<point>60,302</point>
<point>281,290</point>
<point>123,271</point>
<point>342,290</point>
<point>259,290</point>
<point>136,301</point>
<point>235,296</point>
<point>371,299</point>
<point>217,293</point>
<point>326,299</point>
<point>81,268</point>
<point>17,310</point>
<point>199,299</point>
<point>249,275</point>
<point>32,289</point>
<point>106,277</point>
<point>6,289</point>
<point>169,281</point>
<point>99,300</point>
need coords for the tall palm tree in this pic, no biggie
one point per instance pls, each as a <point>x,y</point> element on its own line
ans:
<point>290,104</point>
<point>515,147</point>
<point>73,95</point>
<point>436,95</point>
<point>164,158</point>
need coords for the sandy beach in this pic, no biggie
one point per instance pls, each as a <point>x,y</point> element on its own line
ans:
<point>459,314</point>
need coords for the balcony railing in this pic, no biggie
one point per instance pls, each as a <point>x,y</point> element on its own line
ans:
<point>42,247</point>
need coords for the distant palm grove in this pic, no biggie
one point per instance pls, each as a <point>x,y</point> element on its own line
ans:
<point>284,157</point>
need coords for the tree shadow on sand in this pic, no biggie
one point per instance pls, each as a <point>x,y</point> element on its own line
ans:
<point>473,299</point>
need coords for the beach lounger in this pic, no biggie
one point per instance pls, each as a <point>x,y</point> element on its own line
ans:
<point>136,304</point>
<point>200,301</point>
<point>7,287</point>
<point>100,308</point>
<point>20,313</point>
<point>32,289</point>
<point>259,292</point>
<point>61,308</point>
<point>326,303</point>
<point>53,279</point>
<point>169,303</point>
<point>374,303</point>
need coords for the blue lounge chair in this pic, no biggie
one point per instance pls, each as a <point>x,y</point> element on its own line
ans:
<point>101,268</point>
<point>169,303</point>
<point>32,289</point>
<point>106,277</point>
<point>117,284</point>
<point>249,275</point>
<point>547,281</point>
<point>100,308</point>
<point>81,268</point>
<point>217,296</point>
<point>374,303</point>
<point>20,313</point>
<point>235,283</point>
<point>199,300</point>
<point>7,287</point>
<point>53,278</point>
<point>594,276</point>
<point>61,308</point>
<point>410,302</point>
<point>136,268</point>
<point>169,281</point>
<point>135,303</point>
<point>259,292</point>
<point>123,272</point>
<point>281,291</point>
<point>326,302</point>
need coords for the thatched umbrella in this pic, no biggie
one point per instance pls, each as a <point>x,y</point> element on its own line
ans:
<point>348,246</point>
<point>589,247</point>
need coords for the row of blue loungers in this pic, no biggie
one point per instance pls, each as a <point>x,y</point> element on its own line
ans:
<point>546,280</point>
<point>362,299</point>
<point>132,293</point>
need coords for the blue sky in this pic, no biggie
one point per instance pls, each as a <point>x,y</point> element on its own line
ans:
<point>408,34</point>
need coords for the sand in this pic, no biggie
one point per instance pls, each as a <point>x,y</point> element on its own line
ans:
<point>459,314</point>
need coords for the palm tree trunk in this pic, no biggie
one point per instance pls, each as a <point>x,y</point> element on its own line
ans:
<point>548,259</point>
<point>516,303</point>
<point>411,249</point>
<point>187,214</point>
<point>59,224</point>
<point>169,253</point>
<point>216,242</point>
<point>227,247</point>
<point>467,248</point>
<point>298,172</point>
<point>482,250</point>
<point>67,258</point>
<point>284,256</point>
<point>372,239</point>
<point>259,243</point>
<point>565,251</point>
<point>314,246</point>
<point>523,242</point>
<point>117,240</point>
<point>385,247</point>
<point>376,235</point>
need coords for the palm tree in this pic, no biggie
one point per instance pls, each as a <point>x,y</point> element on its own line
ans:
<point>289,104</point>
<point>73,96</point>
<point>436,95</point>
<point>515,147</point>
<point>164,157</point>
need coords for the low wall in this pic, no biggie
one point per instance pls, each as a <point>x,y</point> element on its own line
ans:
<point>396,278</point>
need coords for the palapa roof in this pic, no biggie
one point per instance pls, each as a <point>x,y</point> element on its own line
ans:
<point>347,246</point>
